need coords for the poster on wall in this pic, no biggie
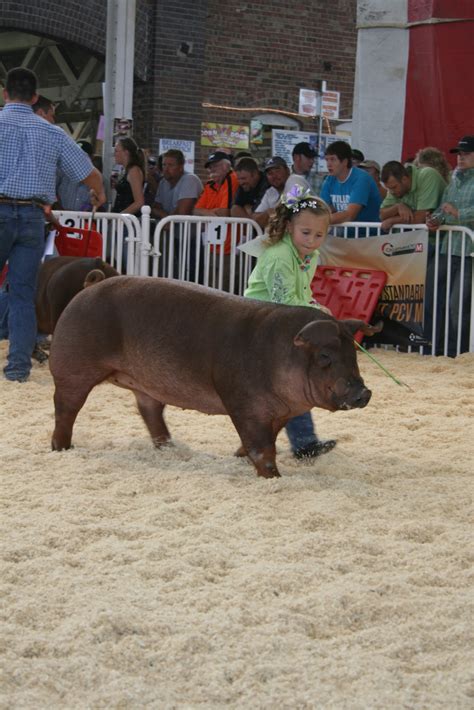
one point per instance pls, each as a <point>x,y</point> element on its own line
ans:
<point>403,257</point>
<point>123,128</point>
<point>186,147</point>
<point>283,143</point>
<point>256,132</point>
<point>225,135</point>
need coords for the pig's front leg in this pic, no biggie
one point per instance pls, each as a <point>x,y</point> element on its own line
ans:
<point>258,443</point>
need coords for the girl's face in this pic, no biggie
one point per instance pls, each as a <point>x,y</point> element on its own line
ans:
<point>308,231</point>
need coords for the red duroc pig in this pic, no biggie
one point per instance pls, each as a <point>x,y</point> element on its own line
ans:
<point>59,280</point>
<point>198,348</point>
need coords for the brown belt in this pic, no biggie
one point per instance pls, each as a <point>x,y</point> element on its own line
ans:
<point>14,201</point>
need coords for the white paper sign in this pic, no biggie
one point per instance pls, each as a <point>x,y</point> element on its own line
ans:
<point>216,232</point>
<point>186,147</point>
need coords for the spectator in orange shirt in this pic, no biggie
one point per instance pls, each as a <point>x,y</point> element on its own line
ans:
<point>218,194</point>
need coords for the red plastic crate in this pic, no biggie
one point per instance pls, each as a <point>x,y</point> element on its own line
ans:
<point>74,241</point>
<point>348,292</point>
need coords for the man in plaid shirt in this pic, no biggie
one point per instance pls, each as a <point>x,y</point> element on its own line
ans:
<point>31,151</point>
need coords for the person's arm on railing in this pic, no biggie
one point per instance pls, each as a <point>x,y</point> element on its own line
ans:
<point>347,215</point>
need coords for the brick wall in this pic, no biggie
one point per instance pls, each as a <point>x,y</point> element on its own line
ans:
<point>245,54</point>
<point>249,55</point>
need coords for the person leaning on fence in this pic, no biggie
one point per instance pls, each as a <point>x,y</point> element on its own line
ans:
<point>350,192</point>
<point>431,157</point>
<point>252,187</point>
<point>218,195</point>
<point>277,173</point>
<point>32,150</point>
<point>177,191</point>
<point>217,198</point>
<point>412,193</point>
<point>283,274</point>
<point>373,168</point>
<point>457,208</point>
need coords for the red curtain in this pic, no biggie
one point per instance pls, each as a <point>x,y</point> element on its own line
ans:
<point>439,104</point>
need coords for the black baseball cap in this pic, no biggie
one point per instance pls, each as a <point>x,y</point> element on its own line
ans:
<point>216,156</point>
<point>275,162</point>
<point>86,147</point>
<point>358,154</point>
<point>304,148</point>
<point>465,145</point>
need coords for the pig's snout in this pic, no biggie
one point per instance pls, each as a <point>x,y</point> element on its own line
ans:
<point>351,397</point>
<point>364,398</point>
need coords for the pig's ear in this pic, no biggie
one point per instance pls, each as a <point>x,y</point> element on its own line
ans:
<point>355,325</point>
<point>318,334</point>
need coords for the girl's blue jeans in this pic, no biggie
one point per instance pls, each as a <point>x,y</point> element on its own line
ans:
<point>300,431</point>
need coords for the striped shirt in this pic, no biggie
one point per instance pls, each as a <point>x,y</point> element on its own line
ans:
<point>31,152</point>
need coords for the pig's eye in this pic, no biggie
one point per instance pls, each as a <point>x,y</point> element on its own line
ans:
<point>324,360</point>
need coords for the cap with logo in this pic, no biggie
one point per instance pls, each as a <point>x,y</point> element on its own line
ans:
<point>370,164</point>
<point>465,145</point>
<point>216,156</point>
<point>274,162</point>
<point>304,148</point>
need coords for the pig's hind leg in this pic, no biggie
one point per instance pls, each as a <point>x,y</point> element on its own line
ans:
<point>69,397</point>
<point>152,413</point>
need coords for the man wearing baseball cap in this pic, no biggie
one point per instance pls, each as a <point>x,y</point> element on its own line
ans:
<point>218,194</point>
<point>373,168</point>
<point>277,173</point>
<point>457,207</point>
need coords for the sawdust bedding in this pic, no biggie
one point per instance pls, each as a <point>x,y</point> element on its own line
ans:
<point>177,579</point>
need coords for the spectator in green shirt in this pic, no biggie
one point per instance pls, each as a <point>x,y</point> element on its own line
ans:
<point>413,192</point>
<point>457,207</point>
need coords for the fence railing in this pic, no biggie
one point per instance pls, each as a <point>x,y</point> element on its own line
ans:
<point>204,250</point>
<point>121,234</point>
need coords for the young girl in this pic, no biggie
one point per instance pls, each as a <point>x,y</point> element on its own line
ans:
<point>283,274</point>
<point>129,197</point>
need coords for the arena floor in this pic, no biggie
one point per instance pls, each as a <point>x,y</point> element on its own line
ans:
<point>177,579</point>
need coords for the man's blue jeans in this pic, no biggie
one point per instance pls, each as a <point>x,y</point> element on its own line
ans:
<point>22,245</point>
<point>300,431</point>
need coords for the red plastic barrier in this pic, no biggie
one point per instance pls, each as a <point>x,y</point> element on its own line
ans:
<point>348,292</point>
<point>73,241</point>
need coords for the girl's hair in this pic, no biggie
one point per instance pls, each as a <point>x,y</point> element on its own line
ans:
<point>278,224</point>
<point>433,158</point>
<point>136,154</point>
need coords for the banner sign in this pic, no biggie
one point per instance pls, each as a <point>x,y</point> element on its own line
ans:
<point>283,143</point>
<point>309,102</point>
<point>186,147</point>
<point>330,104</point>
<point>224,135</point>
<point>403,257</point>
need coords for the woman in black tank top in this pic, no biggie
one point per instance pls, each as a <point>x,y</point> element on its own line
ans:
<point>129,189</point>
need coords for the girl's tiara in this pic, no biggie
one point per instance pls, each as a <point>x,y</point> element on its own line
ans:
<point>299,198</point>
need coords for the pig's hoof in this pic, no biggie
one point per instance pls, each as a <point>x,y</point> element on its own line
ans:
<point>273,473</point>
<point>159,443</point>
<point>241,452</point>
<point>312,451</point>
<point>56,446</point>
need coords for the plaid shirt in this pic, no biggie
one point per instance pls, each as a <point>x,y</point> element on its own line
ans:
<point>31,152</point>
<point>460,194</point>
